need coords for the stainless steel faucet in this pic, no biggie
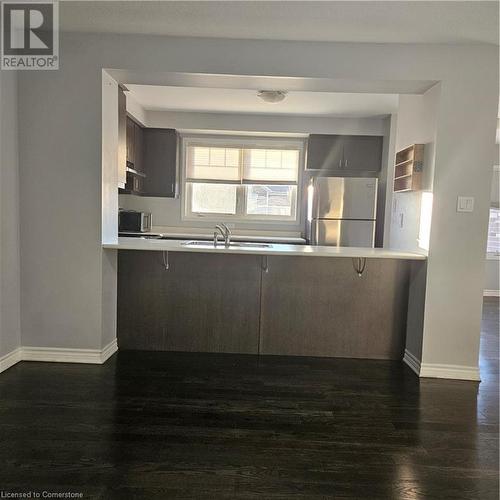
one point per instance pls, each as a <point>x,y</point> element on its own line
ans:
<point>224,231</point>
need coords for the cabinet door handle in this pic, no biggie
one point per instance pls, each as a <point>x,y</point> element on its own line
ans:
<point>345,164</point>
<point>166,263</point>
<point>265,264</point>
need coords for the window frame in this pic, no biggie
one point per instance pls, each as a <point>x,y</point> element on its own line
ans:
<point>495,255</point>
<point>247,141</point>
<point>496,206</point>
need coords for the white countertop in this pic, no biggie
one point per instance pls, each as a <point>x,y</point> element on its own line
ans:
<point>273,249</point>
<point>182,235</point>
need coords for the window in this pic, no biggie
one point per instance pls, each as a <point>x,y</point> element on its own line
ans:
<point>241,179</point>
<point>493,246</point>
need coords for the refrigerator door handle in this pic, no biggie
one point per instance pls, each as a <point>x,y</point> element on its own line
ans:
<point>317,237</point>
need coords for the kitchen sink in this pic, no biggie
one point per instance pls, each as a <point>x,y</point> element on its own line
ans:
<point>233,244</point>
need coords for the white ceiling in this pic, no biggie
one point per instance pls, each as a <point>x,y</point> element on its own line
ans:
<point>347,21</point>
<point>220,100</point>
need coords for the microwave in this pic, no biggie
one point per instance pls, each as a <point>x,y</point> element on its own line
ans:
<point>133,221</point>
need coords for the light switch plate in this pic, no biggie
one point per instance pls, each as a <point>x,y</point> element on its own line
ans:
<point>465,204</point>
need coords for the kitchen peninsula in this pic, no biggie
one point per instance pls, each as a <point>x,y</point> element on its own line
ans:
<point>301,300</point>
<point>262,290</point>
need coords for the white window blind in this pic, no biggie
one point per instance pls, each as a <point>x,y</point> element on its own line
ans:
<point>241,178</point>
<point>242,165</point>
<point>270,166</point>
<point>213,164</point>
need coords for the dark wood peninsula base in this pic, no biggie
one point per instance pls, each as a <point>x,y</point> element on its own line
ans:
<point>253,304</point>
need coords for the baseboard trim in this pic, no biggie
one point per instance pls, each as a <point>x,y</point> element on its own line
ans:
<point>412,361</point>
<point>100,356</point>
<point>456,372</point>
<point>10,359</point>
<point>58,355</point>
<point>64,355</point>
<point>109,350</point>
<point>491,293</point>
<point>430,370</point>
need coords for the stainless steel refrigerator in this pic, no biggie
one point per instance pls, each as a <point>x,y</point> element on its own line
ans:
<point>342,211</point>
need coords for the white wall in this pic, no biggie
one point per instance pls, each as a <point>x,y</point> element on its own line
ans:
<point>465,152</point>
<point>166,214</point>
<point>60,186</point>
<point>135,109</point>
<point>385,194</point>
<point>110,174</point>
<point>416,124</point>
<point>10,318</point>
<point>265,123</point>
<point>60,114</point>
<point>110,179</point>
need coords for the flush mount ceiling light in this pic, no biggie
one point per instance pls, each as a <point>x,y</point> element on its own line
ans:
<point>272,96</point>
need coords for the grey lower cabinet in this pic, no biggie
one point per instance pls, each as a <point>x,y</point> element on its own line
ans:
<point>302,306</point>
<point>321,307</point>
<point>202,303</point>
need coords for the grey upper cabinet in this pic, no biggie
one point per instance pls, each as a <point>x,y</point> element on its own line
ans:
<point>363,153</point>
<point>324,152</point>
<point>151,161</point>
<point>160,159</point>
<point>344,154</point>
<point>139,148</point>
<point>130,142</point>
<point>135,148</point>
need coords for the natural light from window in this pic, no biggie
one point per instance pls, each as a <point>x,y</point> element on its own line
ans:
<point>424,233</point>
<point>493,246</point>
<point>246,178</point>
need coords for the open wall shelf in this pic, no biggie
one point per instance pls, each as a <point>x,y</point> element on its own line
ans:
<point>408,169</point>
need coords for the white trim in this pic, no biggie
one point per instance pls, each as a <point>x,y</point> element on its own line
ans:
<point>64,355</point>
<point>412,361</point>
<point>240,217</point>
<point>10,359</point>
<point>492,256</point>
<point>109,350</point>
<point>431,370</point>
<point>457,372</point>
<point>491,293</point>
<point>59,355</point>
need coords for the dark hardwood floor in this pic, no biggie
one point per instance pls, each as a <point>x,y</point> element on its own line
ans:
<point>168,425</point>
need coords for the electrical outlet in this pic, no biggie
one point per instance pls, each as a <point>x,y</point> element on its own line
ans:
<point>465,204</point>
